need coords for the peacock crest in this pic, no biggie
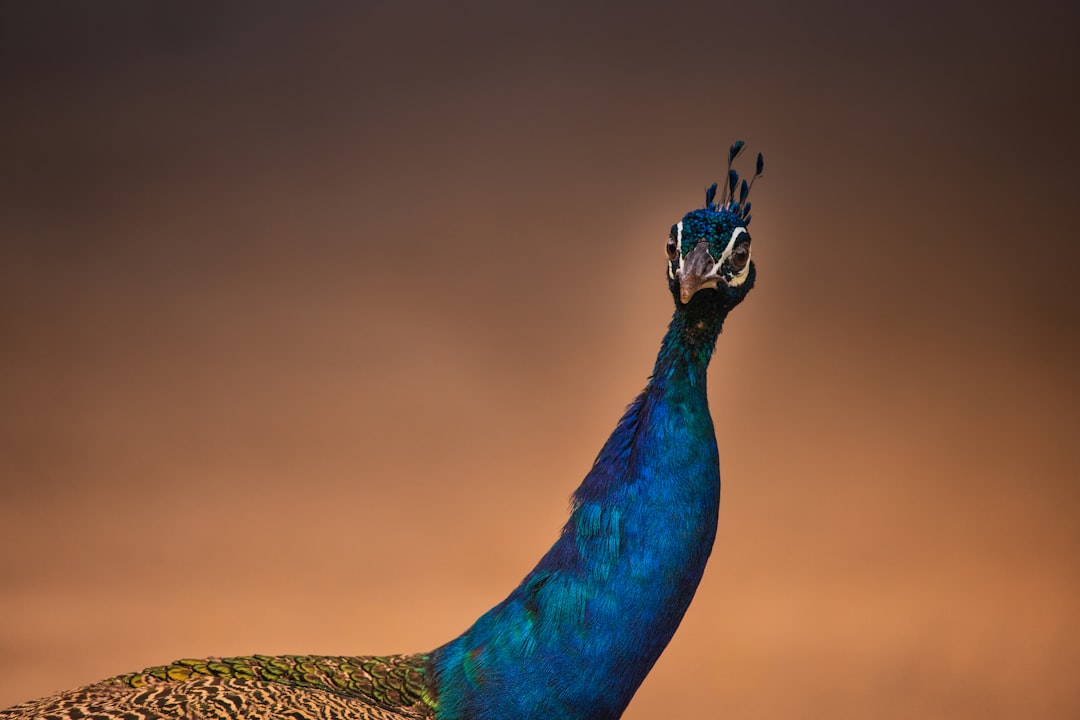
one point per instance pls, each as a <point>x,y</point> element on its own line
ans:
<point>741,207</point>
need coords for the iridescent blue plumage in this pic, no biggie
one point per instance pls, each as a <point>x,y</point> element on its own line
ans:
<point>577,637</point>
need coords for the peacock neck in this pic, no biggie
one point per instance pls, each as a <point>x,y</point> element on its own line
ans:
<point>579,635</point>
<point>688,346</point>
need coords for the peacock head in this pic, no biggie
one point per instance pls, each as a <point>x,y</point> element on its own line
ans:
<point>709,249</point>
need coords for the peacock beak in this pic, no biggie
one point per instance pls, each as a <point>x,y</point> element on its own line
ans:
<point>696,271</point>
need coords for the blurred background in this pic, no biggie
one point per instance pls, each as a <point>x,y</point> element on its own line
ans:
<point>313,316</point>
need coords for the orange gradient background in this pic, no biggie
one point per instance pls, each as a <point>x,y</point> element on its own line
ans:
<point>312,319</point>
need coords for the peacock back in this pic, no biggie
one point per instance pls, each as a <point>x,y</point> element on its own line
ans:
<point>256,687</point>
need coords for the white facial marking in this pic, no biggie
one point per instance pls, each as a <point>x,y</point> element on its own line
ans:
<point>739,279</point>
<point>712,278</point>
<point>678,249</point>
<point>731,242</point>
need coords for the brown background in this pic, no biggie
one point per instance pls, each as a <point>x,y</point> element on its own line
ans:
<point>311,319</point>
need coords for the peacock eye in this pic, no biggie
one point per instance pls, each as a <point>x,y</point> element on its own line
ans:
<point>740,256</point>
<point>672,249</point>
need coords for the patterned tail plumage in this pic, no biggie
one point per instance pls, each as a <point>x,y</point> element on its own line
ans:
<point>254,687</point>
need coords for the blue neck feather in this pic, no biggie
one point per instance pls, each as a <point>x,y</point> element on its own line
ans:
<point>579,635</point>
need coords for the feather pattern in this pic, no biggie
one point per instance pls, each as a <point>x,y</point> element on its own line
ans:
<point>255,687</point>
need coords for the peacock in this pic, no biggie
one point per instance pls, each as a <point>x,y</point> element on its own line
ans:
<point>578,636</point>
